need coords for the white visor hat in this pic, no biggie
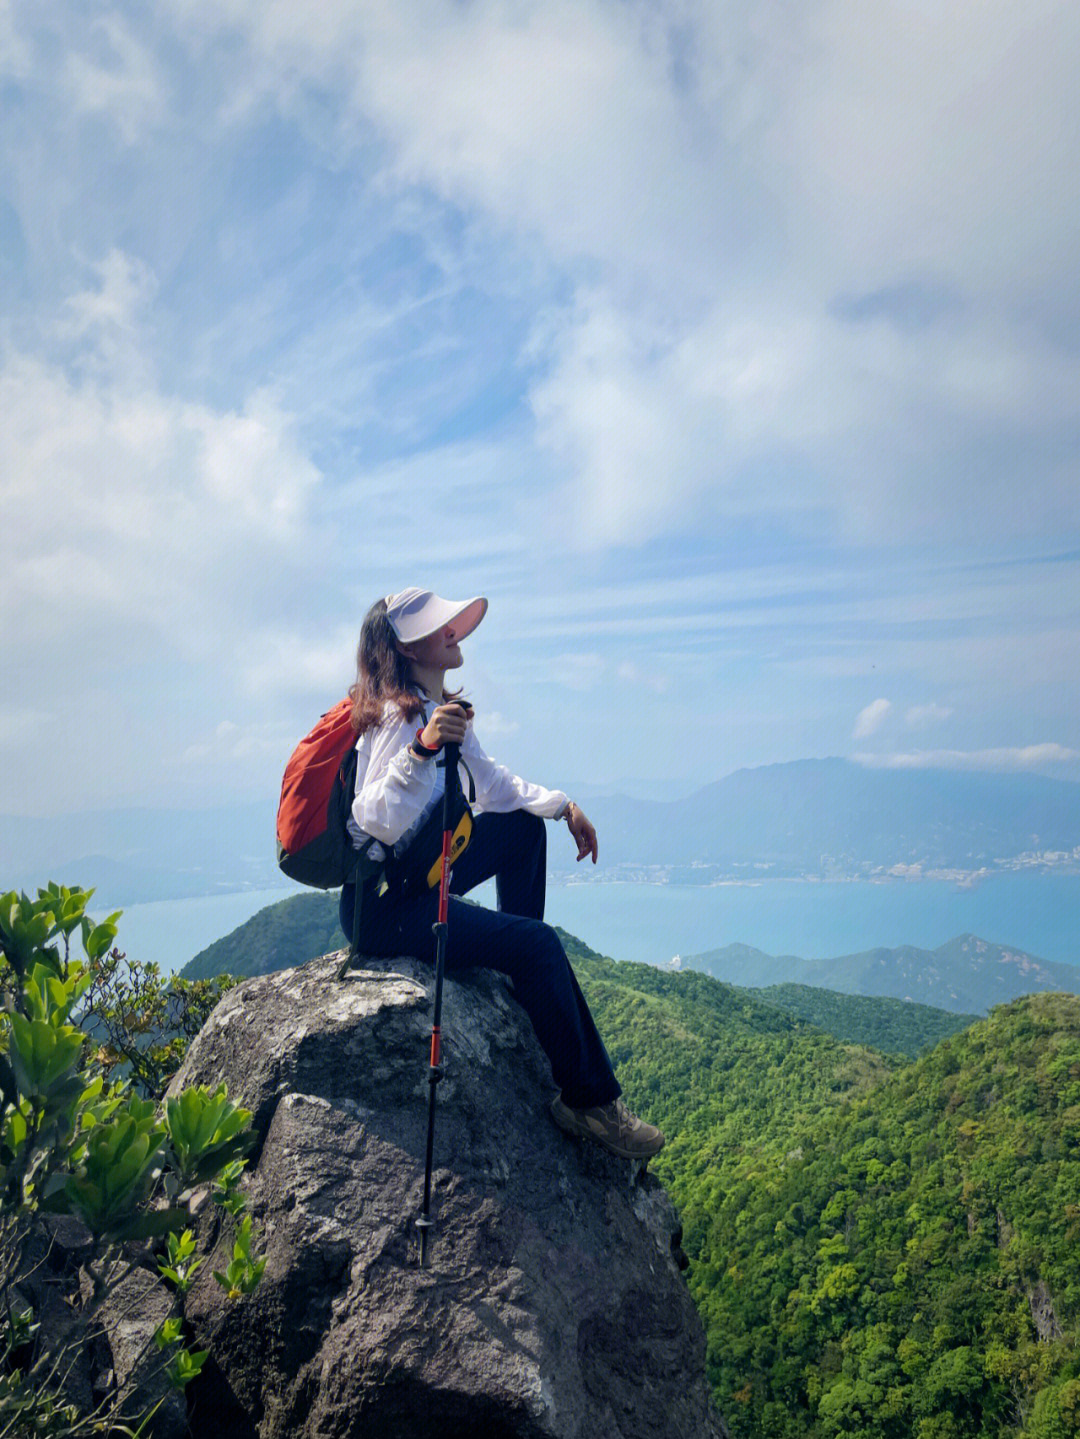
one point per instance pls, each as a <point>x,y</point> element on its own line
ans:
<point>414,614</point>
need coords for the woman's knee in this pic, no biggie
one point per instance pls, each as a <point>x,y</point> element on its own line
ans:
<point>544,945</point>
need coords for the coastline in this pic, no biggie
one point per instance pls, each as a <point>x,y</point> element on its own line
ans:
<point>637,918</point>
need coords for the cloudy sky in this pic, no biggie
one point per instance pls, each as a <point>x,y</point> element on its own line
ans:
<point>731,348</point>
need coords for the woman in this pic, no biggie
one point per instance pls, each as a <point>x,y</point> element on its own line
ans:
<point>404,715</point>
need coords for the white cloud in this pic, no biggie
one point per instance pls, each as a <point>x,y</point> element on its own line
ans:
<point>869,720</point>
<point>927,139</point>
<point>795,251</point>
<point>15,52</point>
<point>643,678</point>
<point>577,671</point>
<point>115,75</point>
<point>131,511</point>
<point>238,744</point>
<point>636,426</point>
<point>552,118</point>
<point>492,723</point>
<point>923,716</point>
<point>285,661</point>
<point>102,330</point>
<point>20,723</point>
<point>116,305</point>
<point>1024,757</point>
<point>136,508</point>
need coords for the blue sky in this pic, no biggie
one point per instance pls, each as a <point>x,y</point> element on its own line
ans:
<point>732,350</point>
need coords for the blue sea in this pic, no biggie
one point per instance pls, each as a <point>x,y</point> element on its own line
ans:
<point>1039,913</point>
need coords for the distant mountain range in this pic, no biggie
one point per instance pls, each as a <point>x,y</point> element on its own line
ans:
<point>833,819</point>
<point>134,855</point>
<point>823,819</point>
<point>967,975</point>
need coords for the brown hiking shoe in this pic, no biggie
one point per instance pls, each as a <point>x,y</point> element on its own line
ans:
<point>611,1125</point>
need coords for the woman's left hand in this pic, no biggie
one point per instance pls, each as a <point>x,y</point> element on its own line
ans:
<point>582,830</point>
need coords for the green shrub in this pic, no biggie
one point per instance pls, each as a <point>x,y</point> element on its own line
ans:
<point>78,1138</point>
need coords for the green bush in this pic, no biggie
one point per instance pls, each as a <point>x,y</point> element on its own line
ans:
<point>141,1024</point>
<point>78,1041</point>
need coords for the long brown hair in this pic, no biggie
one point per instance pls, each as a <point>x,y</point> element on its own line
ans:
<point>383,674</point>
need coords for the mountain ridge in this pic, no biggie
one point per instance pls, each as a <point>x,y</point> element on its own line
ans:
<point>966,974</point>
<point>815,818</point>
<point>834,818</point>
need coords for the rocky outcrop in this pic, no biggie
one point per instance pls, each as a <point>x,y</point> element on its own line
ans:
<point>128,1320</point>
<point>100,1355</point>
<point>552,1304</point>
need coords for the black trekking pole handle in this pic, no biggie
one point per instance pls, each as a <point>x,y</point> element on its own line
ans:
<point>452,785</point>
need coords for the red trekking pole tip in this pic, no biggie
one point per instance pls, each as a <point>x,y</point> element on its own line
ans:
<point>435,1037</point>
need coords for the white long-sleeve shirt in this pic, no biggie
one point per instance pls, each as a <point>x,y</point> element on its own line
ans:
<point>395,791</point>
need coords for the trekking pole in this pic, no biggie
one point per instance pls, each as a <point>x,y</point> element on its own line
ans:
<point>453,780</point>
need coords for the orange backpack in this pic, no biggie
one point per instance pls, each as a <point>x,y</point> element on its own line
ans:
<point>313,843</point>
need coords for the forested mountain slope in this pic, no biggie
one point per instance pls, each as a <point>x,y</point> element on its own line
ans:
<point>895,1026</point>
<point>724,1070</point>
<point>878,1251</point>
<point>289,932</point>
<point>911,1269</point>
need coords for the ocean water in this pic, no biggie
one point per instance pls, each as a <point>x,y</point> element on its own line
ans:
<point>169,932</point>
<point>1039,913</point>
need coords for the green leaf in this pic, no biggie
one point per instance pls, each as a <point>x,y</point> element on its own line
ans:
<point>42,1056</point>
<point>168,1332</point>
<point>15,1129</point>
<point>149,1224</point>
<point>123,1156</point>
<point>186,1366</point>
<point>99,939</point>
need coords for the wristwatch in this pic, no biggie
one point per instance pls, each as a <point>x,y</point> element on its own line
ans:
<point>420,749</point>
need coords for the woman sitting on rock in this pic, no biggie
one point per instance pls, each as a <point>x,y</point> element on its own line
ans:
<point>403,716</point>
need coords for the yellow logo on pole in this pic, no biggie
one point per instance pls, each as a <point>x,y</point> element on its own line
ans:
<point>458,843</point>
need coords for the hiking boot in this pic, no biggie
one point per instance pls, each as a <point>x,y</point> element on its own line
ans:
<point>611,1125</point>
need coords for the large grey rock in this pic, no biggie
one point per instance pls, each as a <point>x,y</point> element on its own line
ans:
<point>552,1304</point>
<point>129,1318</point>
<point>101,1356</point>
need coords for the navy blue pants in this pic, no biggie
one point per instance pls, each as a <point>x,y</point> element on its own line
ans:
<point>513,939</point>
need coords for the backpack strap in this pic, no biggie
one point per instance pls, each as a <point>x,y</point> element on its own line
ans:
<point>366,871</point>
<point>472,782</point>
